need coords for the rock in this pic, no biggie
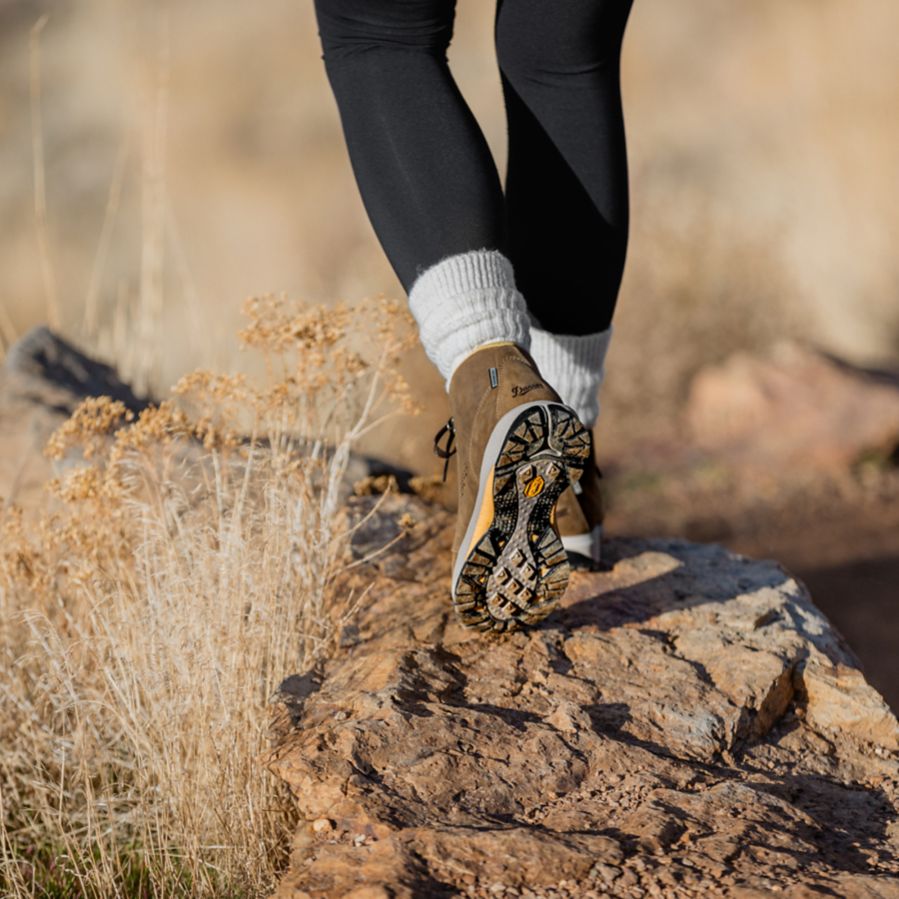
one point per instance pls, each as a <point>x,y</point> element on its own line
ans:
<point>45,369</point>
<point>43,379</point>
<point>794,408</point>
<point>687,723</point>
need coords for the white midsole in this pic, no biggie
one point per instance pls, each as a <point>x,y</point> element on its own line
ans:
<point>488,460</point>
<point>589,544</point>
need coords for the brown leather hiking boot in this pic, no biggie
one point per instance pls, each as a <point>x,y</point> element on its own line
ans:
<point>518,448</point>
<point>579,516</point>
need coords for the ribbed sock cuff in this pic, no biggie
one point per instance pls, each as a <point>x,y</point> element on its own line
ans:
<point>464,302</point>
<point>574,366</point>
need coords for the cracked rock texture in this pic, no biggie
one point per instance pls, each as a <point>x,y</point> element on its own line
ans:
<point>686,724</point>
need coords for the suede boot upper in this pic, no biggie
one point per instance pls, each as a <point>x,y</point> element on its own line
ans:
<point>485,386</point>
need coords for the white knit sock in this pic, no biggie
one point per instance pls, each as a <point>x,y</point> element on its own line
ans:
<point>464,302</point>
<point>574,366</point>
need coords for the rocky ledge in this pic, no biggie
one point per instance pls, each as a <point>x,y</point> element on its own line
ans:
<point>686,724</point>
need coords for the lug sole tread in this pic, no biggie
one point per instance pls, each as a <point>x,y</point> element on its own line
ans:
<point>516,573</point>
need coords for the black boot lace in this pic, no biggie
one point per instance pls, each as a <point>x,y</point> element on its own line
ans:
<point>445,452</point>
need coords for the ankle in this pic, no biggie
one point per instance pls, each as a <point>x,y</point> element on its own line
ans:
<point>466,302</point>
<point>575,366</point>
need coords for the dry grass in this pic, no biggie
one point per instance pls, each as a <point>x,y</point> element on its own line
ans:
<point>179,574</point>
<point>193,154</point>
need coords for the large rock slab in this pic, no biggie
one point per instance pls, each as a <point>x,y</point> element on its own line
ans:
<point>793,408</point>
<point>687,724</point>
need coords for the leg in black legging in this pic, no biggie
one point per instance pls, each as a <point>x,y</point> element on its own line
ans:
<point>425,172</point>
<point>566,182</point>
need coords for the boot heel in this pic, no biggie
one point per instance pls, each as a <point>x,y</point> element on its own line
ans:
<point>569,437</point>
<point>518,570</point>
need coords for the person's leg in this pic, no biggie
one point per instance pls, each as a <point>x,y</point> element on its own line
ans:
<point>566,182</point>
<point>424,170</point>
<point>567,205</point>
<point>431,188</point>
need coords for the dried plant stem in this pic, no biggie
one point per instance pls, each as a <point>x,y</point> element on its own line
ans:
<point>39,172</point>
<point>148,621</point>
<point>151,298</point>
<point>113,200</point>
<point>8,333</point>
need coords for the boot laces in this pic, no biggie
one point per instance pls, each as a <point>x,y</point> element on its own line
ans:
<point>445,452</point>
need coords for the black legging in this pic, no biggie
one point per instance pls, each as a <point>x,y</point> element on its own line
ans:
<point>426,175</point>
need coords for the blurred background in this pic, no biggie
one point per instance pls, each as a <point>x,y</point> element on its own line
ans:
<point>161,161</point>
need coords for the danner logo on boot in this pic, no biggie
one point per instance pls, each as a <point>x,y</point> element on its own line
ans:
<point>521,391</point>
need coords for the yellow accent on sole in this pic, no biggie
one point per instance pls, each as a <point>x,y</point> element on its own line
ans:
<point>485,516</point>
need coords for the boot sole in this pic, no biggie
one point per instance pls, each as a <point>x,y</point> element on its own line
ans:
<point>516,571</point>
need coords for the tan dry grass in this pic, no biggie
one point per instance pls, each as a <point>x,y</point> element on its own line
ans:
<point>761,147</point>
<point>180,574</point>
<point>777,116</point>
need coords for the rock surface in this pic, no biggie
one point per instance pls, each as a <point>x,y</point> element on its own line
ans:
<point>687,724</point>
<point>46,370</point>
<point>43,379</point>
<point>793,408</point>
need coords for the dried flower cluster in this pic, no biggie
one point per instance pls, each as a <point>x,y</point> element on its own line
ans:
<point>185,563</point>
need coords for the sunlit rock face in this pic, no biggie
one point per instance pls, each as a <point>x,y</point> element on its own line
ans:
<point>686,723</point>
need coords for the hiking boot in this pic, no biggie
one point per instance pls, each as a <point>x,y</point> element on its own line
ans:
<point>579,517</point>
<point>518,448</point>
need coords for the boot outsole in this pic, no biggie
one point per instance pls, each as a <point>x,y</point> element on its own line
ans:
<point>518,570</point>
